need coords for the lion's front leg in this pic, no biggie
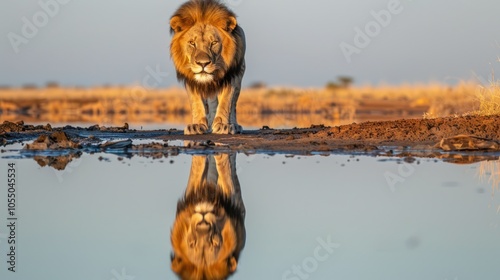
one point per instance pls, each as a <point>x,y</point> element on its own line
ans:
<point>228,179</point>
<point>197,175</point>
<point>225,118</point>
<point>198,110</point>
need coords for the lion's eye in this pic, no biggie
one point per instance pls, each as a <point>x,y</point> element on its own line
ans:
<point>192,43</point>
<point>214,43</point>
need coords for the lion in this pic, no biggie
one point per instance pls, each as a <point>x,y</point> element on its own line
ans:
<point>208,52</point>
<point>209,233</point>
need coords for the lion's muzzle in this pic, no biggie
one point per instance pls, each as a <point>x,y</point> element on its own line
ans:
<point>203,227</point>
<point>203,60</point>
<point>202,63</point>
<point>203,67</point>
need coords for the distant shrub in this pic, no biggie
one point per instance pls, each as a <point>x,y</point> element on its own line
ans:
<point>29,86</point>
<point>332,86</point>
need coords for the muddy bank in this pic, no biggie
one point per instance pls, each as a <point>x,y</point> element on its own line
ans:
<point>420,130</point>
<point>461,139</point>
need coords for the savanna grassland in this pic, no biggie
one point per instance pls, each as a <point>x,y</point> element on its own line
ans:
<point>258,106</point>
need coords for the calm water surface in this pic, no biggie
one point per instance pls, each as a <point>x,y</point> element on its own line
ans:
<point>335,217</point>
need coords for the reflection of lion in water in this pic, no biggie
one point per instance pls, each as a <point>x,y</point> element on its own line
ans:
<point>208,49</point>
<point>209,232</point>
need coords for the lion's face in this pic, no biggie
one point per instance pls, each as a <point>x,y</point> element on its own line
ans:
<point>203,48</point>
<point>204,235</point>
<point>204,242</point>
<point>203,51</point>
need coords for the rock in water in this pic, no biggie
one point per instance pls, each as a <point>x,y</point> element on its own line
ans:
<point>467,143</point>
<point>57,140</point>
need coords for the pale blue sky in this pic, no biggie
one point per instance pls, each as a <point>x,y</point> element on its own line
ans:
<point>96,42</point>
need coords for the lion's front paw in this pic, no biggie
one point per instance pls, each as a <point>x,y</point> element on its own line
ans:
<point>226,128</point>
<point>193,129</point>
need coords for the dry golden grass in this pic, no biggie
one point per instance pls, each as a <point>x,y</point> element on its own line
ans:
<point>275,107</point>
<point>489,95</point>
<point>440,100</point>
<point>489,98</point>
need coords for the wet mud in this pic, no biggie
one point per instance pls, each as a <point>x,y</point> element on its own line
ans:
<point>455,139</point>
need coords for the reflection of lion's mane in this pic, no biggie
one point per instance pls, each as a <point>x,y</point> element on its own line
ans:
<point>212,194</point>
<point>214,255</point>
<point>226,55</point>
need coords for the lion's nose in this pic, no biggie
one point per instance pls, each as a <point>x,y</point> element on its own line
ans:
<point>203,63</point>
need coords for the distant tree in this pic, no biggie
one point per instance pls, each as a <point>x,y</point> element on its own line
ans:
<point>257,85</point>
<point>52,84</point>
<point>345,81</point>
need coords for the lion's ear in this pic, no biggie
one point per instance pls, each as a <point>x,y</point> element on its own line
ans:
<point>231,24</point>
<point>233,264</point>
<point>175,24</point>
<point>228,24</point>
<point>177,264</point>
<point>178,24</point>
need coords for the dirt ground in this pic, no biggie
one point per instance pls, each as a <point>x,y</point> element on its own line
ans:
<point>458,139</point>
